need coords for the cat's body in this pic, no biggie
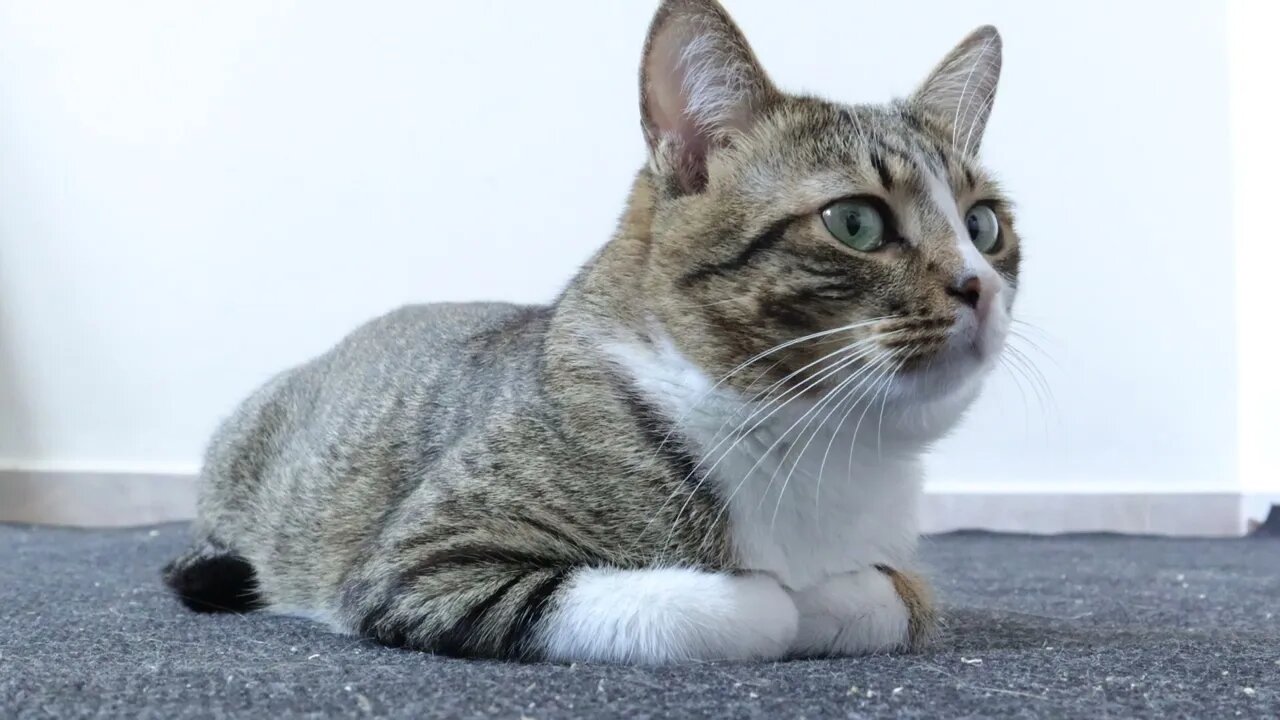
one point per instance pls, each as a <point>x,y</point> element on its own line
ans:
<point>696,452</point>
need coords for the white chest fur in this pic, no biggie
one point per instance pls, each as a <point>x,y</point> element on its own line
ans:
<point>801,506</point>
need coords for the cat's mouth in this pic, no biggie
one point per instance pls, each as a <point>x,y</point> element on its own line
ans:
<point>970,343</point>
<point>919,343</point>
<point>937,357</point>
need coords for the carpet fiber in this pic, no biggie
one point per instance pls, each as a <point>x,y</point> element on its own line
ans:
<point>1088,626</point>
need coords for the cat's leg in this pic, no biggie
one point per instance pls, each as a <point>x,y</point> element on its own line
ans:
<point>858,613</point>
<point>669,615</point>
<point>601,614</point>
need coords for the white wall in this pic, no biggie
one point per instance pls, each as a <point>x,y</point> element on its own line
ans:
<point>1254,62</point>
<point>193,195</point>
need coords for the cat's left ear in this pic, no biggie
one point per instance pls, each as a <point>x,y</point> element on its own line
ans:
<point>700,87</point>
<point>961,89</point>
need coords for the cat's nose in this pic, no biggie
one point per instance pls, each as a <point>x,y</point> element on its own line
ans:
<point>967,291</point>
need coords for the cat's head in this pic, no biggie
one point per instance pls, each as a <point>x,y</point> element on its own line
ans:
<point>809,236</point>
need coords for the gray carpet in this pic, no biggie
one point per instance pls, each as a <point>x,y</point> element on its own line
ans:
<point>1036,627</point>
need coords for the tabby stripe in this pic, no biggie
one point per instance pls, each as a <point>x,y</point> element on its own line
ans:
<point>518,643</point>
<point>940,157</point>
<point>661,437</point>
<point>469,554</point>
<point>886,179</point>
<point>761,243</point>
<point>831,291</point>
<point>453,641</point>
<point>912,121</point>
<point>905,157</point>
<point>374,624</point>
<point>816,265</point>
<point>834,274</point>
<point>846,285</point>
<point>789,312</point>
<point>659,433</point>
<point>807,295</point>
<point>433,536</point>
<point>547,529</point>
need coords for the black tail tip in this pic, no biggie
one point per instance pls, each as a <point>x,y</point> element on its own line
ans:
<point>214,583</point>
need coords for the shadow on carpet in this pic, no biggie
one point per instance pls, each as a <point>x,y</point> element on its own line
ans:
<point>1085,626</point>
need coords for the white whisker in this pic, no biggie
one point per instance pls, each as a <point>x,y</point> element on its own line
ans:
<point>796,463</point>
<point>853,442</point>
<point>814,411</point>
<point>790,396</point>
<point>844,360</point>
<point>888,383</point>
<point>868,381</point>
<point>762,456</point>
<point>755,358</point>
<point>1022,393</point>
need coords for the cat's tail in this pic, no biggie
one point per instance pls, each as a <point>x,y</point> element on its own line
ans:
<point>212,578</point>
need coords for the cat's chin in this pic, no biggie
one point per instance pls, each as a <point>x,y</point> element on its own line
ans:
<point>928,400</point>
<point>924,406</point>
<point>956,371</point>
<point>939,381</point>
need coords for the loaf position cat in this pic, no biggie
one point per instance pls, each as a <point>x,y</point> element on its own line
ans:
<point>708,447</point>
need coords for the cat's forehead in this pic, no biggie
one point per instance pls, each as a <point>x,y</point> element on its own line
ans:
<point>813,152</point>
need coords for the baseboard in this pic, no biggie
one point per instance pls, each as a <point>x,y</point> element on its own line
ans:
<point>1179,514</point>
<point>88,498</point>
<point>115,499</point>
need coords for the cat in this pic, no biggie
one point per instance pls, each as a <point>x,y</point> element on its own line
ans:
<point>707,448</point>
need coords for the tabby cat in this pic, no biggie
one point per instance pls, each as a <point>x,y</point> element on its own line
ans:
<point>708,447</point>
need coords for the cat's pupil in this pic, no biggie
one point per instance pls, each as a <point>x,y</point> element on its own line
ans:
<point>971,224</point>
<point>853,223</point>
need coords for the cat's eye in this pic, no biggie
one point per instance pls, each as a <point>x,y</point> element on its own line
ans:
<point>856,223</point>
<point>983,227</point>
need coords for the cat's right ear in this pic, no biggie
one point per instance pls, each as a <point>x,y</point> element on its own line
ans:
<point>961,89</point>
<point>700,86</point>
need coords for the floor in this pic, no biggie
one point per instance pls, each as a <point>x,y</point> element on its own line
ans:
<point>1069,626</point>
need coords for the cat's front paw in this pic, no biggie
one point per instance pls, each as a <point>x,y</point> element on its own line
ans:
<point>658,616</point>
<point>859,613</point>
<point>917,597</point>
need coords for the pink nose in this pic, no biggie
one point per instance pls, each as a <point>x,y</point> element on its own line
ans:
<point>969,291</point>
<point>978,293</point>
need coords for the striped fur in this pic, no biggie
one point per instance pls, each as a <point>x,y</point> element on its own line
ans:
<point>615,477</point>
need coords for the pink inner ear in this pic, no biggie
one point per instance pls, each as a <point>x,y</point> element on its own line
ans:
<point>702,87</point>
<point>665,94</point>
<point>667,107</point>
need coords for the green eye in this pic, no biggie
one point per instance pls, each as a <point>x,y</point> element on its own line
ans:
<point>984,228</point>
<point>856,223</point>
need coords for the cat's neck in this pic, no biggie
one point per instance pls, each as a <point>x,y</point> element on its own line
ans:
<point>812,487</point>
<point>610,292</point>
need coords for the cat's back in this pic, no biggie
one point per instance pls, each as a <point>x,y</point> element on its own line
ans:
<point>411,350</point>
<point>424,339</point>
<point>431,326</point>
<point>397,378</point>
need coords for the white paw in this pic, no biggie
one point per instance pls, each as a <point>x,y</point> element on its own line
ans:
<point>851,614</point>
<point>669,615</point>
